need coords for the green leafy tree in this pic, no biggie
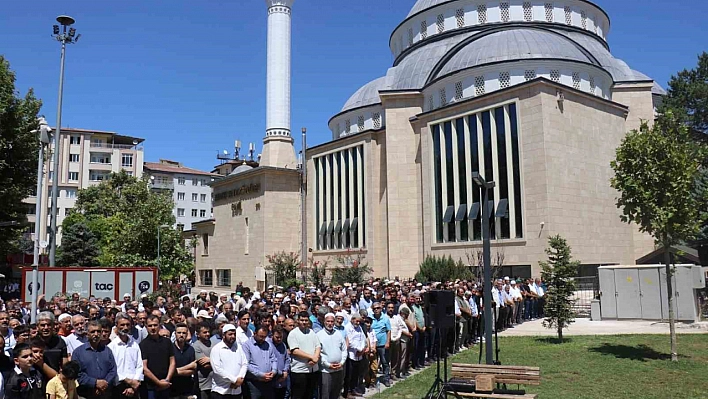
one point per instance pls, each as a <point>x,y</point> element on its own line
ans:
<point>559,275</point>
<point>18,156</point>
<point>435,268</point>
<point>317,271</point>
<point>284,267</point>
<point>352,268</point>
<point>662,188</point>
<point>687,95</point>
<point>125,215</point>
<point>79,246</point>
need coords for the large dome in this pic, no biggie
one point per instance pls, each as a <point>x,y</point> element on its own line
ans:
<point>421,5</point>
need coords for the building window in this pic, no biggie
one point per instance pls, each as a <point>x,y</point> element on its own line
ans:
<point>504,80</point>
<point>70,193</point>
<point>206,277</point>
<point>180,181</point>
<point>410,37</point>
<point>423,30</point>
<point>482,13</point>
<point>205,244</point>
<point>549,11</point>
<point>180,227</point>
<point>180,196</point>
<point>339,129</point>
<point>529,74</point>
<point>67,211</point>
<point>377,120</point>
<point>73,157</point>
<point>31,210</point>
<point>479,85</point>
<point>339,200</point>
<point>431,103</point>
<point>194,197</point>
<point>504,7</point>
<point>180,212</point>
<point>347,126</point>
<point>202,197</point>
<point>202,213</point>
<point>247,241</point>
<point>126,160</point>
<point>576,80</point>
<point>195,182</point>
<point>441,23</point>
<point>458,91</point>
<point>568,15</point>
<point>454,155</point>
<point>583,19</point>
<point>460,17</point>
<point>360,123</point>
<point>95,175</point>
<point>100,158</point>
<point>51,176</point>
<point>75,140</point>
<point>443,97</point>
<point>528,11</point>
<point>555,75</point>
<point>592,84</point>
<point>223,278</point>
<point>73,176</point>
<point>194,213</point>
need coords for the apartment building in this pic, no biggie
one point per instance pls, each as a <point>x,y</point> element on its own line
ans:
<point>87,157</point>
<point>189,188</point>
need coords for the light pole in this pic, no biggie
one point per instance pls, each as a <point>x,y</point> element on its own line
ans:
<point>44,139</point>
<point>159,228</point>
<point>486,251</point>
<point>64,35</point>
<point>303,200</point>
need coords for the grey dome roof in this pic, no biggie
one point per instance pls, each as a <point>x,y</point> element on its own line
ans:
<point>421,5</point>
<point>366,95</point>
<point>241,168</point>
<point>514,44</point>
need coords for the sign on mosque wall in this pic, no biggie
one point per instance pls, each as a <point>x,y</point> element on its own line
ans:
<point>237,192</point>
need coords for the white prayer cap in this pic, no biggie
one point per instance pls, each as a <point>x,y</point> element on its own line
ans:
<point>228,327</point>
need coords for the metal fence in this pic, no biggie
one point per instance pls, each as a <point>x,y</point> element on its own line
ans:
<point>587,289</point>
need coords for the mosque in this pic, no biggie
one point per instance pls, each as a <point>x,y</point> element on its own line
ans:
<point>524,93</point>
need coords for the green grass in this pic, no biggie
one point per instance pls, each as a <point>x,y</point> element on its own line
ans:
<point>591,367</point>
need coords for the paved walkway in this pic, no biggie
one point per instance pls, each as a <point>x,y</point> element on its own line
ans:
<point>583,326</point>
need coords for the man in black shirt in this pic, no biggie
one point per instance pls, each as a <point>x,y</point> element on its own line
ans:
<point>183,380</point>
<point>158,361</point>
<point>55,353</point>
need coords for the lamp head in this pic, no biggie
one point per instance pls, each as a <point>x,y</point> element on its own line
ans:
<point>65,20</point>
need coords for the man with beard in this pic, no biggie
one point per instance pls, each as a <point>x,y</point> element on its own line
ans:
<point>262,365</point>
<point>305,349</point>
<point>229,366</point>
<point>185,363</point>
<point>282,380</point>
<point>334,356</point>
<point>55,351</point>
<point>129,362</point>
<point>97,366</point>
<point>78,337</point>
<point>202,352</point>
<point>158,361</point>
<point>6,332</point>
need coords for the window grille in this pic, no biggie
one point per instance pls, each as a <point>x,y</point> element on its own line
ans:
<point>441,23</point>
<point>431,103</point>
<point>423,30</point>
<point>549,12</point>
<point>377,120</point>
<point>576,80</point>
<point>555,75</point>
<point>529,74</point>
<point>460,17</point>
<point>583,20</point>
<point>458,91</point>
<point>504,7</point>
<point>568,16</point>
<point>592,84</point>
<point>528,11</point>
<point>410,37</point>
<point>478,85</point>
<point>360,123</point>
<point>482,13</point>
<point>443,97</point>
<point>504,80</point>
<point>347,126</point>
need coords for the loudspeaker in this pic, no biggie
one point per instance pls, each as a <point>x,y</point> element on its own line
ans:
<point>440,306</point>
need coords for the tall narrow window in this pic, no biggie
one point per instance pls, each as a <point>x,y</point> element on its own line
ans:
<point>423,30</point>
<point>431,103</point>
<point>441,23</point>
<point>504,8</point>
<point>576,80</point>
<point>410,37</point>
<point>568,15</point>
<point>529,74</point>
<point>460,17</point>
<point>360,123</point>
<point>549,11</point>
<point>504,80</point>
<point>377,120</point>
<point>555,75</point>
<point>528,11</point>
<point>247,240</point>
<point>443,97</point>
<point>347,126</point>
<point>479,88</point>
<point>205,244</point>
<point>583,20</point>
<point>592,84</point>
<point>458,91</point>
<point>482,13</point>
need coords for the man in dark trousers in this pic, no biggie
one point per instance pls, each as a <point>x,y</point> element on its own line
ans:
<point>185,364</point>
<point>158,361</point>
<point>97,373</point>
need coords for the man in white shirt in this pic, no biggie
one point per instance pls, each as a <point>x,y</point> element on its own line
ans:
<point>129,359</point>
<point>229,366</point>
<point>243,333</point>
<point>78,337</point>
<point>518,302</point>
<point>357,349</point>
<point>538,289</point>
<point>399,329</point>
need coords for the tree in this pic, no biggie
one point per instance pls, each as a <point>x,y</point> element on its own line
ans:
<point>352,269</point>
<point>317,271</point>
<point>687,95</point>
<point>435,268</point>
<point>559,275</point>
<point>659,173</point>
<point>79,246</point>
<point>19,147</point>
<point>284,267</point>
<point>125,215</point>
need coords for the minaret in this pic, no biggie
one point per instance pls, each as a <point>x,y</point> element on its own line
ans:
<point>278,150</point>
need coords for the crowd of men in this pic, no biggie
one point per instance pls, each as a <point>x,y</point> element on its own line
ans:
<point>300,343</point>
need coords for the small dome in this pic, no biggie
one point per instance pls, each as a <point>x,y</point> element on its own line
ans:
<point>366,95</point>
<point>512,45</point>
<point>421,5</point>
<point>241,168</point>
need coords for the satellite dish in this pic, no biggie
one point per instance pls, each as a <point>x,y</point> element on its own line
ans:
<point>43,244</point>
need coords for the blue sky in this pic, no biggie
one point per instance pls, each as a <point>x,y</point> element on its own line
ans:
<point>189,76</point>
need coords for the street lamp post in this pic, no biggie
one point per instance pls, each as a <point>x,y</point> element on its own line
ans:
<point>159,228</point>
<point>486,250</point>
<point>64,35</point>
<point>44,139</point>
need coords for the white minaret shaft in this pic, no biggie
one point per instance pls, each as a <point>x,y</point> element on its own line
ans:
<point>278,68</point>
<point>278,150</point>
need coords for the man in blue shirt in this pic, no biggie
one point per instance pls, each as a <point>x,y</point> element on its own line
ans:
<point>262,365</point>
<point>381,326</point>
<point>282,380</point>
<point>98,367</point>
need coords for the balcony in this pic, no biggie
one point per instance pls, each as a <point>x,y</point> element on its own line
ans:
<point>158,185</point>
<point>110,146</point>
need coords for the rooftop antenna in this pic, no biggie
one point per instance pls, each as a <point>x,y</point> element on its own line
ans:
<point>251,150</point>
<point>237,149</point>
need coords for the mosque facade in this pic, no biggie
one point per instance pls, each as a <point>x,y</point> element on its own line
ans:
<point>523,93</point>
